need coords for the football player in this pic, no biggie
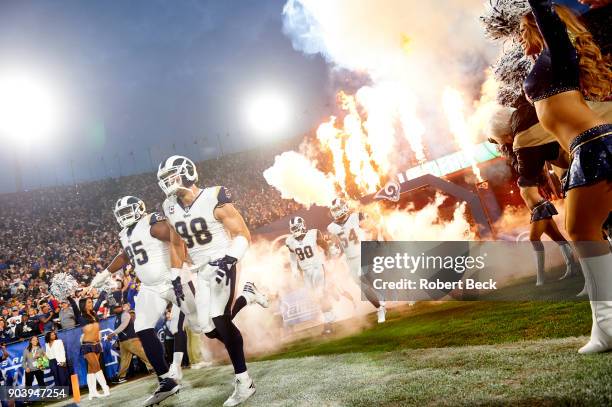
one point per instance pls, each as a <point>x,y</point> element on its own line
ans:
<point>217,238</point>
<point>347,229</point>
<point>307,249</point>
<point>151,245</point>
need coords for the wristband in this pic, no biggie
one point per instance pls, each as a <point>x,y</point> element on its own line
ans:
<point>238,248</point>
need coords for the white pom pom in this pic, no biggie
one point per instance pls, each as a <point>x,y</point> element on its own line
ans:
<point>510,71</point>
<point>501,18</point>
<point>63,285</point>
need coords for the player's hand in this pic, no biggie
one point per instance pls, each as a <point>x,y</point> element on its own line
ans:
<point>177,285</point>
<point>224,267</point>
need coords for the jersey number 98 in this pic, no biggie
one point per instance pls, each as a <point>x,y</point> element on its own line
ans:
<point>197,232</point>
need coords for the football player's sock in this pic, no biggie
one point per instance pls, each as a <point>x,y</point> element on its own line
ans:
<point>240,303</point>
<point>369,292</point>
<point>177,358</point>
<point>232,338</point>
<point>154,350</point>
<point>180,346</point>
<point>372,297</point>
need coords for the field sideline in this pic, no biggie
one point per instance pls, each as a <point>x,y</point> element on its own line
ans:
<point>451,353</point>
<point>543,372</point>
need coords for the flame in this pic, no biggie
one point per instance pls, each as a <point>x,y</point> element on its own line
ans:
<point>454,107</point>
<point>364,142</point>
<point>352,153</point>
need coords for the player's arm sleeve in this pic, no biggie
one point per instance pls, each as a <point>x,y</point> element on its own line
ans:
<point>125,321</point>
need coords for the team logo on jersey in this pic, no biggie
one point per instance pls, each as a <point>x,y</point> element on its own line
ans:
<point>171,210</point>
<point>391,191</point>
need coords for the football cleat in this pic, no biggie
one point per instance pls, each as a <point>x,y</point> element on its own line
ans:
<point>242,391</point>
<point>382,314</point>
<point>167,387</point>
<point>253,295</point>
<point>118,380</point>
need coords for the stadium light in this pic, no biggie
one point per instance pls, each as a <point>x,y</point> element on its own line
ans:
<point>29,109</point>
<point>268,113</point>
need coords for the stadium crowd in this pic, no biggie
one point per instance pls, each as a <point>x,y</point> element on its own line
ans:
<point>72,229</point>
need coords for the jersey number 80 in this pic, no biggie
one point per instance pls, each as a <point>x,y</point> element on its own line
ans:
<point>304,254</point>
<point>197,232</point>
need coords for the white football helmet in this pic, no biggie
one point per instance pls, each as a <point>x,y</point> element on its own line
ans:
<point>175,173</point>
<point>129,210</point>
<point>297,227</point>
<point>339,209</point>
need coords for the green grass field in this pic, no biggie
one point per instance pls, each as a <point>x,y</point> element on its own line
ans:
<point>449,353</point>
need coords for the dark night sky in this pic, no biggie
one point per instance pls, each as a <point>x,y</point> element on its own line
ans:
<point>152,74</point>
<point>144,74</point>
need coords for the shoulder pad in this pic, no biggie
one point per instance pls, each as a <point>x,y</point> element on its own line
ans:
<point>224,196</point>
<point>156,217</point>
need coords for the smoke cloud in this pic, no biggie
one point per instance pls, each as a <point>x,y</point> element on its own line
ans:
<point>297,178</point>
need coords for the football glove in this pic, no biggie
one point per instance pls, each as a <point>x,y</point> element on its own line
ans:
<point>100,278</point>
<point>224,267</point>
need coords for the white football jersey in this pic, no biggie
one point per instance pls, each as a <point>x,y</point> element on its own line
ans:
<point>205,236</point>
<point>149,255</point>
<point>350,234</point>
<point>306,250</point>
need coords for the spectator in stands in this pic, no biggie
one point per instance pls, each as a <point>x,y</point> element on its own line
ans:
<point>46,317</point>
<point>4,357</point>
<point>66,315</point>
<point>54,348</point>
<point>31,363</point>
<point>32,325</point>
<point>5,333</point>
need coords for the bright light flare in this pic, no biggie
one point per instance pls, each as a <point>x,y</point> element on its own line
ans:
<point>269,113</point>
<point>29,108</point>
